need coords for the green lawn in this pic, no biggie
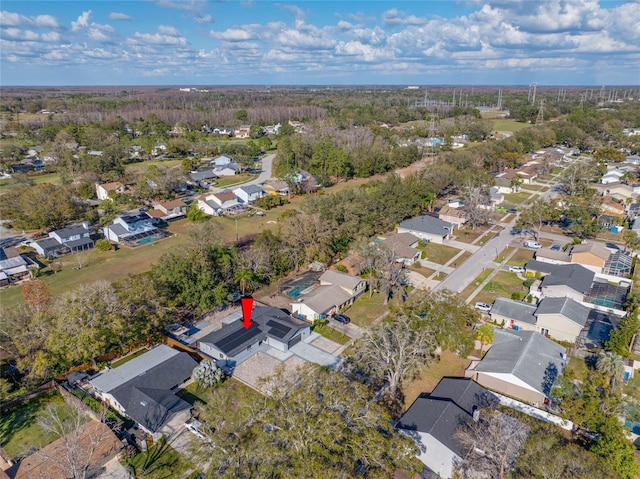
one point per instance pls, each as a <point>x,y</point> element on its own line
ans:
<point>18,428</point>
<point>475,283</point>
<point>501,285</point>
<point>332,334</point>
<point>517,198</point>
<point>54,178</point>
<point>128,358</point>
<point>426,272</point>
<point>467,235</point>
<point>159,462</point>
<point>534,187</point>
<point>142,166</point>
<point>366,309</point>
<point>439,253</point>
<point>194,392</point>
<point>520,257</point>
<point>234,180</point>
<point>509,125</point>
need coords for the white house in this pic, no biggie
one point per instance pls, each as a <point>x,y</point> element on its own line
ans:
<point>131,227</point>
<point>221,160</point>
<point>115,187</point>
<point>249,193</point>
<point>427,228</point>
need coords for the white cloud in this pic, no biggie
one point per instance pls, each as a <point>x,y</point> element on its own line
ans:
<point>203,19</point>
<point>232,35</point>
<point>168,30</point>
<point>82,21</point>
<point>395,17</point>
<point>50,37</point>
<point>363,52</point>
<point>101,33</point>
<point>157,39</point>
<point>11,19</point>
<point>119,16</point>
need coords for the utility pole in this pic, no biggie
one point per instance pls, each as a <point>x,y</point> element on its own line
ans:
<point>540,118</point>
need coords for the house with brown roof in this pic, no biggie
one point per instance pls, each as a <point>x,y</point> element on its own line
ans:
<point>93,444</point>
<point>590,255</point>
<point>453,215</point>
<point>168,210</point>
<point>403,245</point>
<point>105,190</point>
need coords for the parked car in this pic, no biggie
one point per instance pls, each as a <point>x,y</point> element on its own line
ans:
<point>259,213</point>
<point>341,318</point>
<point>193,427</point>
<point>516,269</point>
<point>556,247</point>
<point>483,307</point>
<point>513,211</point>
<point>532,244</point>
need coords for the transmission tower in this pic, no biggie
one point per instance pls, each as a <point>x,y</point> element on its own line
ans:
<point>540,118</point>
<point>532,93</point>
<point>431,148</point>
<point>500,99</point>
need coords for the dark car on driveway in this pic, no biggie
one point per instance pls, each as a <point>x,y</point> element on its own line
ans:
<point>341,318</point>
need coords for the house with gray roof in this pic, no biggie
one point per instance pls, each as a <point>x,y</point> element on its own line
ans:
<point>432,421</point>
<point>15,268</point>
<point>70,239</point>
<point>428,228</point>
<point>515,314</point>
<point>144,388</point>
<point>561,318</point>
<point>249,193</point>
<point>403,246</point>
<point>49,247</point>
<point>202,177</point>
<point>131,228</point>
<point>521,364</point>
<point>270,327</point>
<point>559,281</point>
<point>336,291</point>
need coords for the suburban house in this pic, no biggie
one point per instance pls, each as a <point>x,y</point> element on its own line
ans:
<point>221,160</point>
<point>168,210</point>
<point>229,169</point>
<point>70,239</point>
<point>432,421</point>
<point>427,228</point>
<point>452,215</point>
<point>93,445</point>
<point>144,388</point>
<point>219,203</point>
<point>249,193</point>
<point>242,131</point>
<point>592,256</point>
<point>131,228</point>
<point>270,327</point>
<point>202,178</point>
<point>336,291</point>
<point>276,187</point>
<point>403,245</point>
<point>521,364</point>
<point>561,318</point>
<point>14,269</point>
<point>572,280</point>
<point>504,184</point>
<point>515,314</point>
<point>106,190</point>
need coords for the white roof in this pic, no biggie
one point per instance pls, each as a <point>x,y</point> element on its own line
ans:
<point>115,377</point>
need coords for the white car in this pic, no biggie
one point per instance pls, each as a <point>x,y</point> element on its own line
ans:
<point>483,307</point>
<point>516,269</point>
<point>532,244</point>
<point>193,427</point>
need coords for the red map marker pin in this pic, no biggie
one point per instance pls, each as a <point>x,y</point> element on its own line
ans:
<point>247,305</point>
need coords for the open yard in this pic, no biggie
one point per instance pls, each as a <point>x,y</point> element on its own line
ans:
<point>468,235</point>
<point>509,125</point>
<point>520,257</point>
<point>449,364</point>
<point>438,253</point>
<point>475,283</point>
<point>365,309</point>
<point>517,198</point>
<point>18,428</point>
<point>503,284</point>
<point>159,462</point>
<point>332,334</point>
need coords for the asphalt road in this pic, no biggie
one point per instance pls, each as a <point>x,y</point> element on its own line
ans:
<point>265,174</point>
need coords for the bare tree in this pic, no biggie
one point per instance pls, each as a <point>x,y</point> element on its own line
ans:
<point>477,204</point>
<point>396,351</point>
<point>78,442</point>
<point>494,441</point>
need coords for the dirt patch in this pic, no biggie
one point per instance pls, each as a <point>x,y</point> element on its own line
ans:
<point>415,167</point>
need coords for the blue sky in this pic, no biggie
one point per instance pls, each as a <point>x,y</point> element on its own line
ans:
<point>422,42</point>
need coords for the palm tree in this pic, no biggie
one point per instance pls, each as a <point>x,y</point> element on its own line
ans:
<point>612,366</point>
<point>485,334</point>
<point>244,277</point>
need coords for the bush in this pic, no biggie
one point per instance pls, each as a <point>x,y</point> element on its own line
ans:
<point>423,255</point>
<point>342,268</point>
<point>528,282</point>
<point>515,296</point>
<point>319,322</point>
<point>103,245</point>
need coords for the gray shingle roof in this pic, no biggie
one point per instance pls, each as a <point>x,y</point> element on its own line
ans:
<point>575,276</point>
<point>323,298</point>
<point>428,224</point>
<point>450,405</point>
<point>50,245</point>
<point>71,231</point>
<point>514,310</point>
<point>340,279</point>
<point>528,355</point>
<point>251,189</point>
<point>571,309</point>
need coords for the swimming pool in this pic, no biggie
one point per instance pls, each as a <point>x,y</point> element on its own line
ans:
<point>146,240</point>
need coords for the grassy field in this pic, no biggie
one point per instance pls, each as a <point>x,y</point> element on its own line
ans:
<point>475,283</point>
<point>128,358</point>
<point>517,198</point>
<point>501,285</point>
<point>142,166</point>
<point>234,180</point>
<point>159,462</point>
<point>426,272</point>
<point>449,364</point>
<point>365,309</point>
<point>509,125</point>
<point>10,184</point>
<point>468,235</point>
<point>194,392</point>
<point>520,257</point>
<point>332,334</point>
<point>18,428</point>
<point>439,253</point>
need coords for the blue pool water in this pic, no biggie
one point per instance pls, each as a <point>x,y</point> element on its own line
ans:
<point>633,427</point>
<point>150,239</point>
